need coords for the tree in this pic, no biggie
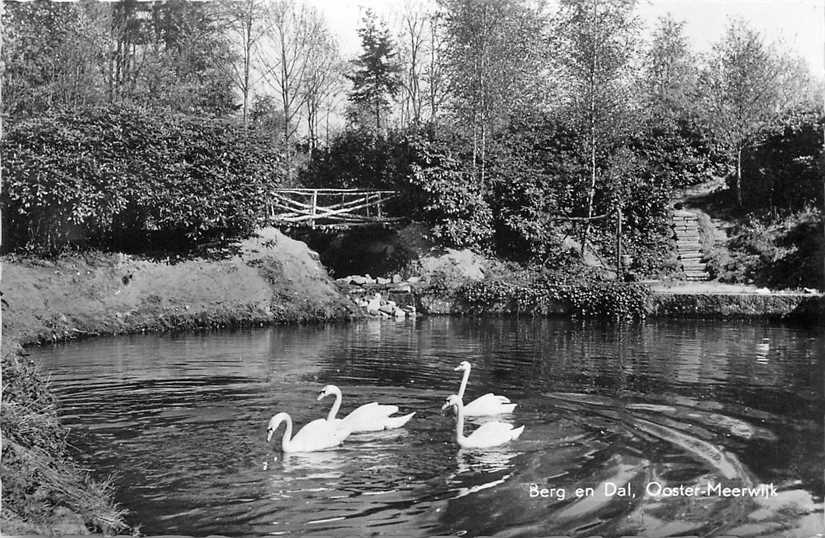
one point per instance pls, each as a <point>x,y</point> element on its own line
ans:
<point>53,54</point>
<point>744,90</point>
<point>495,55</point>
<point>245,25</point>
<point>376,75</point>
<point>323,77</point>
<point>413,40</point>
<point>669,76</point>
<point>597,40</point>
<point>286,54</point>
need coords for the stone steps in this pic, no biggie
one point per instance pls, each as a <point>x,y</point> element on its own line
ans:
<point>689,246</point>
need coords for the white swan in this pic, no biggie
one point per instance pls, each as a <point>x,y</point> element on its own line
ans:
<point>487,435</point>
<point>316,435</point>
<point>371,417</point>
<point>489,404</point>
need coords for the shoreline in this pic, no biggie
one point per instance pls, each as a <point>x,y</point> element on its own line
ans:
<point>271,280</point>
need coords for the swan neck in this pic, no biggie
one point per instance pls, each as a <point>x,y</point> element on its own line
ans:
<point>463,384</point>
<point>336,405</point>
<point>286,443</point>
<point>459,421</point>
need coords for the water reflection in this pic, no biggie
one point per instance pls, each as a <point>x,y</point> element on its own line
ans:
<point>182,420</point>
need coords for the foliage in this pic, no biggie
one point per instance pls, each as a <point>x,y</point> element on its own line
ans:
<point>123,178</point>
<point>495,60</point>
<point>785,171</point>
<point>448,197</point>
<point>743,90</point>
<point>586,299</point>
<point>787,253</point>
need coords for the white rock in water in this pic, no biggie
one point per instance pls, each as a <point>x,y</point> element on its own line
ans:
<point>382,280</point>
<point>414,279</point>
<point>356,279</point>
<point>399,313</point>
<point>396,278</point>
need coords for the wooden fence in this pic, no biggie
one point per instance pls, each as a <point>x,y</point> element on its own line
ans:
<point>328,208</point>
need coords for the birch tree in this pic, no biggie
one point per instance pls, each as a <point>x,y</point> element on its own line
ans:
<point>495,55</point>
<point>744,89</point>
<point>596,40</point>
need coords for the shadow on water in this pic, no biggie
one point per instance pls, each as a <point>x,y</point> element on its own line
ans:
<point>617,419</point>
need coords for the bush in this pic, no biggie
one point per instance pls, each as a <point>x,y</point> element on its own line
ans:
<point>123,178</point>
<point>587,299</point>
<point>783,254</point>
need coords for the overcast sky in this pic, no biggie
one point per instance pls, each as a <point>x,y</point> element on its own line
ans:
<point>799,24</point>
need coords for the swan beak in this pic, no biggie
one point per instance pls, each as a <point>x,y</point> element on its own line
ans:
<point>457,368</point>
<point>321,395</point>
<point>269,435</point>
<point>445,407</point>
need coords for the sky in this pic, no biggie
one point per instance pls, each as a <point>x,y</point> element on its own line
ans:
<point>798,24</point>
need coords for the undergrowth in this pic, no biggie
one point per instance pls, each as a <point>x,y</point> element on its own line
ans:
<point>41,483</point>
<point>538,295</point>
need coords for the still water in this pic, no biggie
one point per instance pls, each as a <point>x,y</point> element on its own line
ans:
<point>632,412</point>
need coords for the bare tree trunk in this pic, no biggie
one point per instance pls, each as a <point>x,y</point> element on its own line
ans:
<point>246,61</point>
<point>592,193</point>
<point>739,177</point>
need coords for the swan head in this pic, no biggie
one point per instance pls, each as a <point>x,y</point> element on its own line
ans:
<point>463,366</point>
<point>452,401</point>
<point>274,422</point>
<point>329,390</point>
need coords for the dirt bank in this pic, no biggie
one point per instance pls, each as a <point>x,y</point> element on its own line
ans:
<point>271,278</point>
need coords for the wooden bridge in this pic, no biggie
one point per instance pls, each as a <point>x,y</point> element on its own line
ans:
<point>328,208</point>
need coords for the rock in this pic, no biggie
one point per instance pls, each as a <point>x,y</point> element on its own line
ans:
<point>357,279</point>
<point>67,522</point>
<point>368,280</point>
<point>382,280</point>
<point>399,313</point>
<point>403,288</point>
<point>374,305</point>
<point>396,278</point>
<point>414,279</point>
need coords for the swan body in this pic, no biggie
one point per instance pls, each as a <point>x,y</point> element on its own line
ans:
<point>316,435</point>
<point>487,435</point>
<point>489,404</point>
<point>371,417</point>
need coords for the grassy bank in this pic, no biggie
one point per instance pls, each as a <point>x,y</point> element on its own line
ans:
<point>266,279</point>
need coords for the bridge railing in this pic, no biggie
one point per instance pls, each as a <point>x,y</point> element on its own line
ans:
<point>319,208</point>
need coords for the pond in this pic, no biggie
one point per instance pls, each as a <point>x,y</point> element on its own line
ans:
<point>633,429</point>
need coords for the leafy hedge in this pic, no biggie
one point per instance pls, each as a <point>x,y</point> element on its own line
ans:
<point>590,299</point>
<point>125,178</point>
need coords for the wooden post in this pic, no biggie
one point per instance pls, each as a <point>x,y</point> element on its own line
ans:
<point>314,207</point>
<point>619,268</point>
<point>379,206</point>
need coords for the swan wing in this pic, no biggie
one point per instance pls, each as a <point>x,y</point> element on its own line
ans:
<point>318,435</point>
<point>375,417</point>
<point>489,404</point>
<point>492,434</point>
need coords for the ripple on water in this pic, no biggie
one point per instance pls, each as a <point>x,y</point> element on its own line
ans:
<point>182,420</point>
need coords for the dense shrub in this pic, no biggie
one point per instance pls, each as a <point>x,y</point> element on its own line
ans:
<point>585,297</point>
<point>124,178</point>
<point>787,253</point>
<point>784,172</point>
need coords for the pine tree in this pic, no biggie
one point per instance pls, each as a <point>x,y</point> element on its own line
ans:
<point>377,74</point>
